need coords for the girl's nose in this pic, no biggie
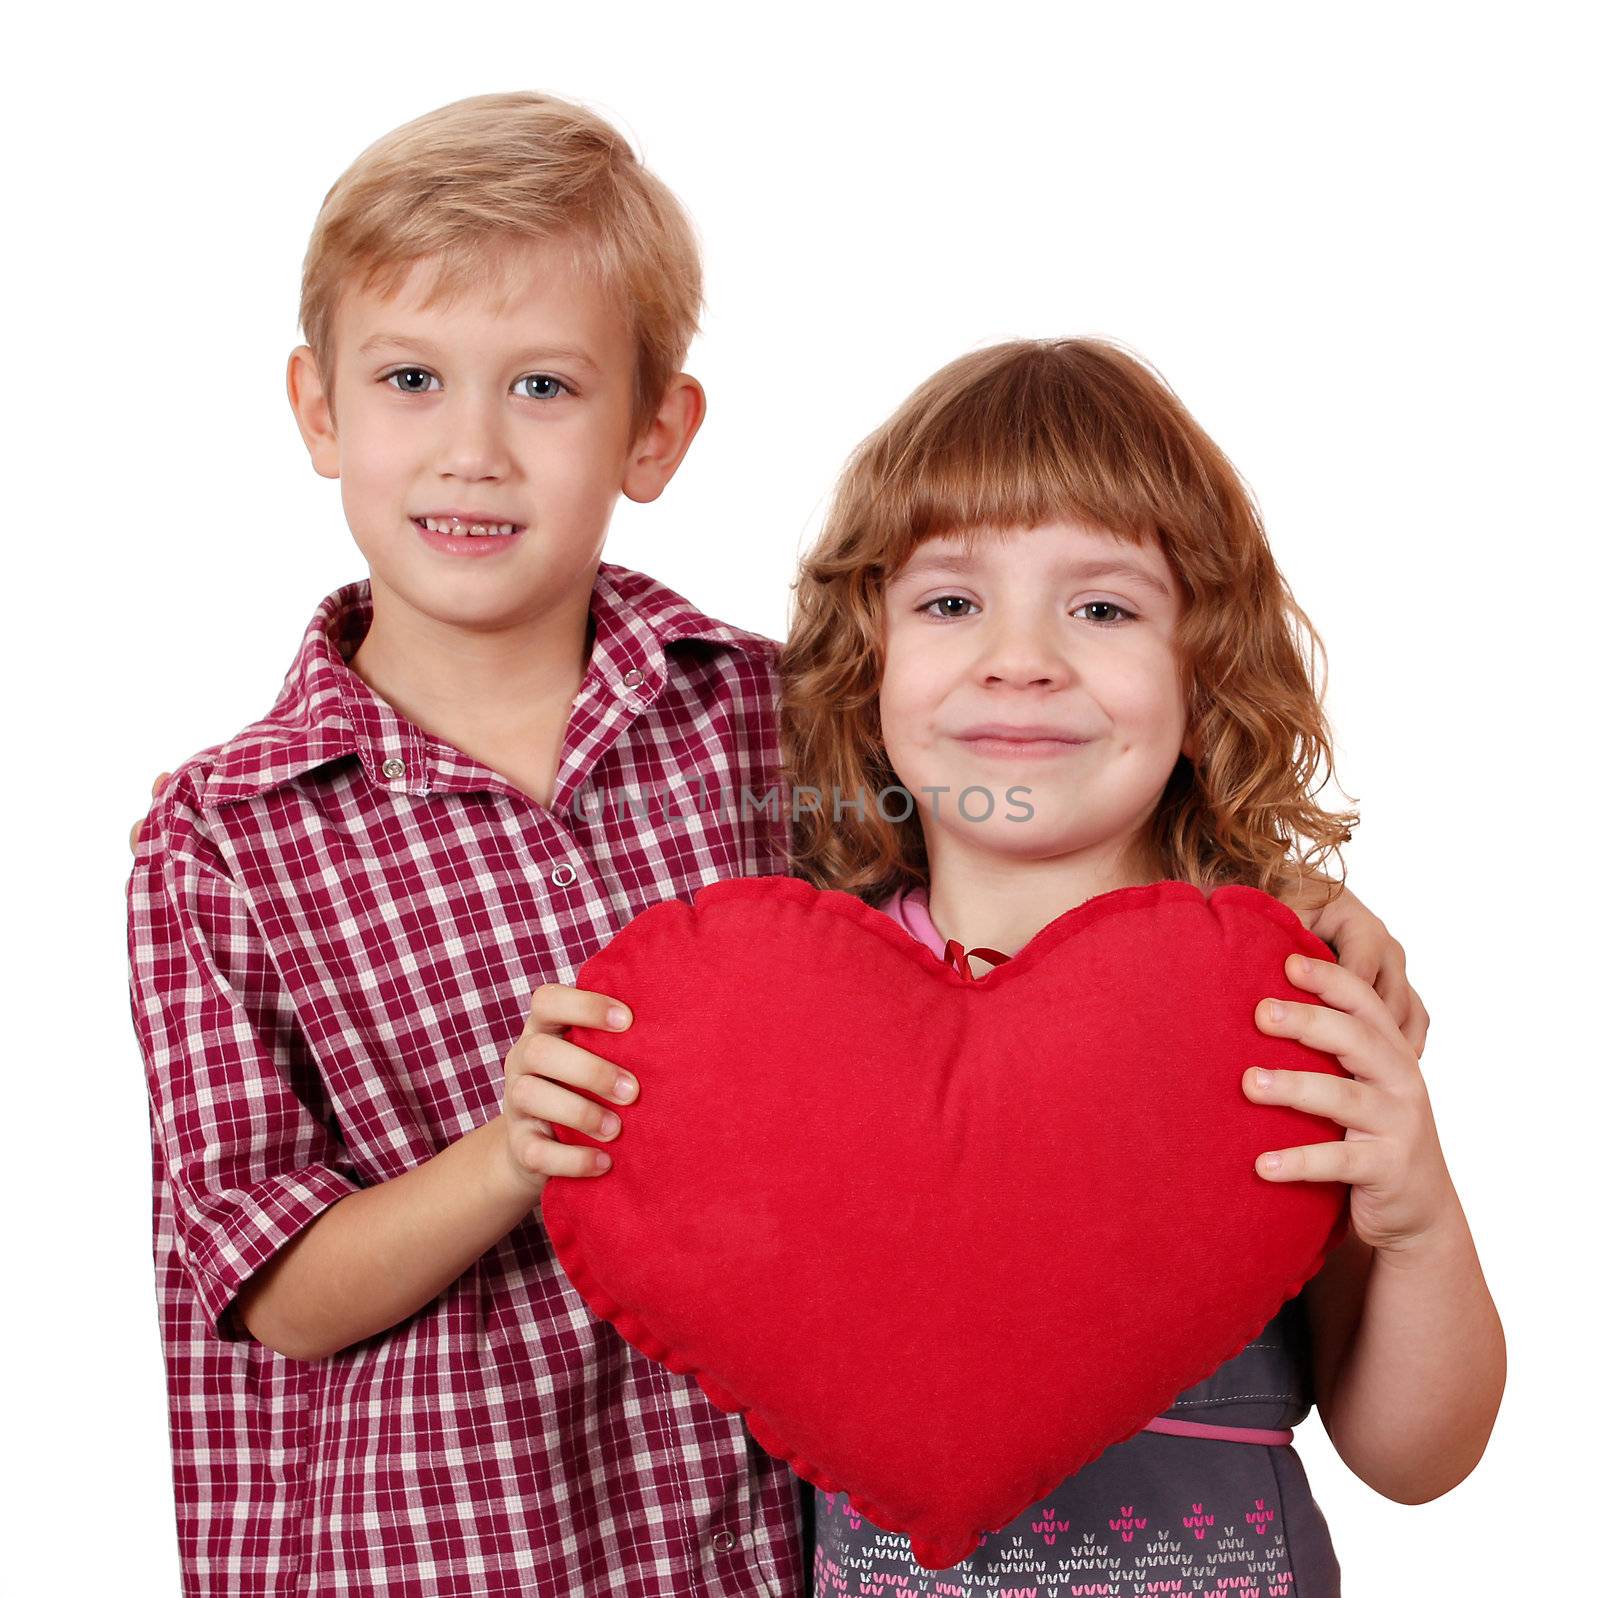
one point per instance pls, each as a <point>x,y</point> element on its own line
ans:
<point>1025,657</point>
<point>1024,679</point>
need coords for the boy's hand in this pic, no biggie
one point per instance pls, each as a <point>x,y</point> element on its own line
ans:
<point>1366,949</point>
<point>155,788</point>
<point>539,1061</point>
<point>1400,1187</point>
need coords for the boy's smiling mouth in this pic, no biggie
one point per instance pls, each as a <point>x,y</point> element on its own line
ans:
<point>453,534</point>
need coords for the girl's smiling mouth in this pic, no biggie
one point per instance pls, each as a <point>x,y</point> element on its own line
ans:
<point>996,738</point>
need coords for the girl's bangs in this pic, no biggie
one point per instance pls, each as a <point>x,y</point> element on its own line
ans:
<point>975,481</point>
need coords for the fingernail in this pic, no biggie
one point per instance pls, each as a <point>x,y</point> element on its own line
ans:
<point>1270,1162</point>
<point>1263,1079</point>
<point>616,1016</point>
<point>626,1086</point>
<point>609,1123</point>
<point>1274,1010</point>
<point>602,1162</point>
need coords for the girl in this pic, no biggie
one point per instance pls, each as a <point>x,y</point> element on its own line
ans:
<point>1041,573</point>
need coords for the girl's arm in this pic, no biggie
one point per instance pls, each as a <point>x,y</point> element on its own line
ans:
<point>1408,1351</point>
<point>1409,1360</point>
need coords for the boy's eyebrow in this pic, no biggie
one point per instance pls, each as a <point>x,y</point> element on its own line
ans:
<point>408,341</point>
<point>1106,566</point>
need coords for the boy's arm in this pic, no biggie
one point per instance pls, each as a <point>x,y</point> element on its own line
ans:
<point>380,1255</point>
<point>245,1138</point>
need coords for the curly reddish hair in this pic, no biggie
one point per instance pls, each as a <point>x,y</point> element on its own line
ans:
<point>1011,437</point>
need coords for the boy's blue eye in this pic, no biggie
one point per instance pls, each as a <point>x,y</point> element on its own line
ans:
<point>552,385</point>
<point>408,371</point>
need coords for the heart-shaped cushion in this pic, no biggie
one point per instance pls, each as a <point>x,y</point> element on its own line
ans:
<point>943,1239</point>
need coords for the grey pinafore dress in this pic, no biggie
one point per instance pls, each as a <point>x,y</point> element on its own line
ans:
<point>1155,1508</point>
<point>1197,1514</point>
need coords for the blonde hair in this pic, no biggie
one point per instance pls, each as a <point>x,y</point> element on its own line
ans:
<point>466,181</point>
<point>1009,438</point>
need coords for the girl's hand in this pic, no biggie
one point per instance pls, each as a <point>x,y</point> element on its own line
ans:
<point>1400,1187</point>
<point>536,1102</point>
<point>1365,946</point>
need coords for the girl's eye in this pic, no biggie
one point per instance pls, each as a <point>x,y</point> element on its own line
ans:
<point>1092,604</point>
<point>547,387</point>
<point>1105,604</point>
<point>942,599</point>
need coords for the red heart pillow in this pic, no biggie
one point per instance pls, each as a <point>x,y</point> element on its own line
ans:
<point>942,1240</point>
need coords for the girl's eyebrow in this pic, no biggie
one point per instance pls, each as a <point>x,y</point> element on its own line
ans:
<point>958,564</point>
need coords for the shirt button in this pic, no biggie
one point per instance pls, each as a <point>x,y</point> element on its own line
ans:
<point>394,768</point>
<point>723,1541</point>
<point>633,678</point>
<point>564,876</point>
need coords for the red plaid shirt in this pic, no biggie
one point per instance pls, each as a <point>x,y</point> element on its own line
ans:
<point>336,924</point>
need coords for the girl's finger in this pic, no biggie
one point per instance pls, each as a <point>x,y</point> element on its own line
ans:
<point>1346,1037</point>
<point>1355,1161</point>
<point>1351,1103</point>
<point>1341,990</point>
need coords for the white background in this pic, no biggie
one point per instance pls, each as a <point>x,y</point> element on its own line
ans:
<point>1352,238</point>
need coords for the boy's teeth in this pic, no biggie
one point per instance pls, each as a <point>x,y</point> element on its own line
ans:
<point>461,530</point>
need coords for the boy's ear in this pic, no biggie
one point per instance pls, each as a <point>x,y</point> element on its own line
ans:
<point>654,457</point>
<point>310,403</point>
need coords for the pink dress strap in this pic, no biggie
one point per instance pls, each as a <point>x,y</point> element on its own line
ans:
<point>1223,1434</point>
<point>910,909</point>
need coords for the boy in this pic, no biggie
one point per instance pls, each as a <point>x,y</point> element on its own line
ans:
<point>480,767</point>
<point>484,762</point>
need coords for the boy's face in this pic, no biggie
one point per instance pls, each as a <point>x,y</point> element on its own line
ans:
<point>1031,635</point>
<point>517,412</point>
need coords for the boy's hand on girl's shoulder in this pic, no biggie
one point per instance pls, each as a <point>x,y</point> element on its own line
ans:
<point>539,1063</point>
<point>1366,947</point>
<point>138,826</point>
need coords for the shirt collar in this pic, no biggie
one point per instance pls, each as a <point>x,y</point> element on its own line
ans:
<point>325,712</point>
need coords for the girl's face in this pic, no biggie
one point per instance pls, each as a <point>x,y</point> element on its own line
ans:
<point>1061,635</point>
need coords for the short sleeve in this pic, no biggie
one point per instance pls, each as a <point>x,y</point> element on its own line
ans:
<point>240,1128</point>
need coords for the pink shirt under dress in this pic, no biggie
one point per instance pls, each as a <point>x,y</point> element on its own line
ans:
<point>1211,1494</point>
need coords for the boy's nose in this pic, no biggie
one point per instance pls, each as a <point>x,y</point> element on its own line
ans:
<point>473,446</point>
